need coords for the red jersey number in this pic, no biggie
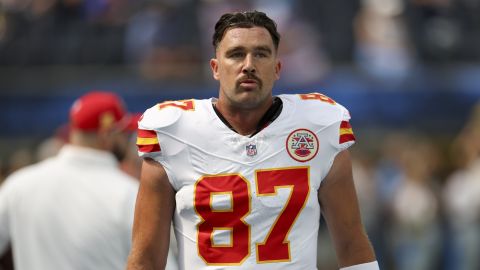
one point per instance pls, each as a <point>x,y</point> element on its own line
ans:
<point>275,247</point>
<point>317,96</point>
<point>186,105</point>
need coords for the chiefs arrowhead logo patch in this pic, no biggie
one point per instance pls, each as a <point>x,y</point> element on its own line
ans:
<point>302,145</point>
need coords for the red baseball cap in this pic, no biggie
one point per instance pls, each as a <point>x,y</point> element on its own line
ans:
<point>101,110</point>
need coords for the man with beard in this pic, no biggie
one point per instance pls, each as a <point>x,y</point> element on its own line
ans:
<point>244,175</point>
<point>74,210</point>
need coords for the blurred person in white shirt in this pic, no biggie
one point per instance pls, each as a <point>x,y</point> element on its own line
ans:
<point>415,231</point>
<point>74,210</point>
<point>462,196</point>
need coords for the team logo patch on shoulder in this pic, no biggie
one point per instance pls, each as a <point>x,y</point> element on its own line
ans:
<point>302,145</point>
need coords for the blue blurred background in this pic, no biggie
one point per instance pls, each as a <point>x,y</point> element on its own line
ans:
<point>408,71</point>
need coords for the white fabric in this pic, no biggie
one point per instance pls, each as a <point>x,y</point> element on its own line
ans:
<point>196,144</point>
<point>465,209</point>
<point>363,266</point>
<point>72,211</point>
<point>414,204</point>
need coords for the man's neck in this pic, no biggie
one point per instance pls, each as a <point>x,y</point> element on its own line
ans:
<point>249,121</point>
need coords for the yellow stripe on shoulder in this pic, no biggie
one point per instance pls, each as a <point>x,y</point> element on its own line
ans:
<point>344,131</point>
<point>145,141</point>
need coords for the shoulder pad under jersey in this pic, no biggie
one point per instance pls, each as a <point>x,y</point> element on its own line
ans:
<point>320,109</point>
<point>164,114</point>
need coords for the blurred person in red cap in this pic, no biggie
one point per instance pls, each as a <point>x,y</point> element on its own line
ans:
<point>75,209</point>
<point>100,120</point>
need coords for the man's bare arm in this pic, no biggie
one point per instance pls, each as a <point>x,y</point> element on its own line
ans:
<point>339,204</point>
<point>153,215</point>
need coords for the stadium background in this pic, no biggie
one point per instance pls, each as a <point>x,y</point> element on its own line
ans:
<point>408,70</point>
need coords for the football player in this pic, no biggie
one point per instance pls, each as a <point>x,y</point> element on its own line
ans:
<point>245,176</point>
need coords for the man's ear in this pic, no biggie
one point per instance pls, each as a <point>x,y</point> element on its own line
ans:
<point>278,68</point>
<point>214,67</point>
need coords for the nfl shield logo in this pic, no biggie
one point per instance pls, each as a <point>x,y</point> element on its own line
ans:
<point>251,149</point>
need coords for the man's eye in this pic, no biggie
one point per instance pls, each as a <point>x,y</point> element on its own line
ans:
<point>260,55</point>
<point>236,55</point>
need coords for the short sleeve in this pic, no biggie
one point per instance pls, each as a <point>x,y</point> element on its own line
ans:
<point>148,145</point>
<point>150,124</point>
<point>346,137</point>
<point>339,132</point>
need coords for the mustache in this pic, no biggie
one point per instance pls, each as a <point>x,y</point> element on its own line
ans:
<point>249,76</point>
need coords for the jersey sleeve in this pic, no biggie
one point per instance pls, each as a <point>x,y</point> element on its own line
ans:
<point>148,144</point>
<point>331,119</point>
<point>337,134</point>
<point>343,136</point>
<point>153,136</point>
<point>149,124</point>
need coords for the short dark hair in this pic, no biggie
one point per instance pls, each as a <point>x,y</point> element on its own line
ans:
<point>246,19</point>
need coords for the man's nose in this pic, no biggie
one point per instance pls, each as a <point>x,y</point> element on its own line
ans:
<point>248,65</point>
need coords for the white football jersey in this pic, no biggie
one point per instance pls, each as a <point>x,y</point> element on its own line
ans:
<point>246,202</point>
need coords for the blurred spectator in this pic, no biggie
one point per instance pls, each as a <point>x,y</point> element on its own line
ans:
<point>388,172</point>
<point>74,210</point>
<point>389,177</point>
<point>364,177</point>
<point>462,197</point>
<point>416,231</point>
<point>382,46</point>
